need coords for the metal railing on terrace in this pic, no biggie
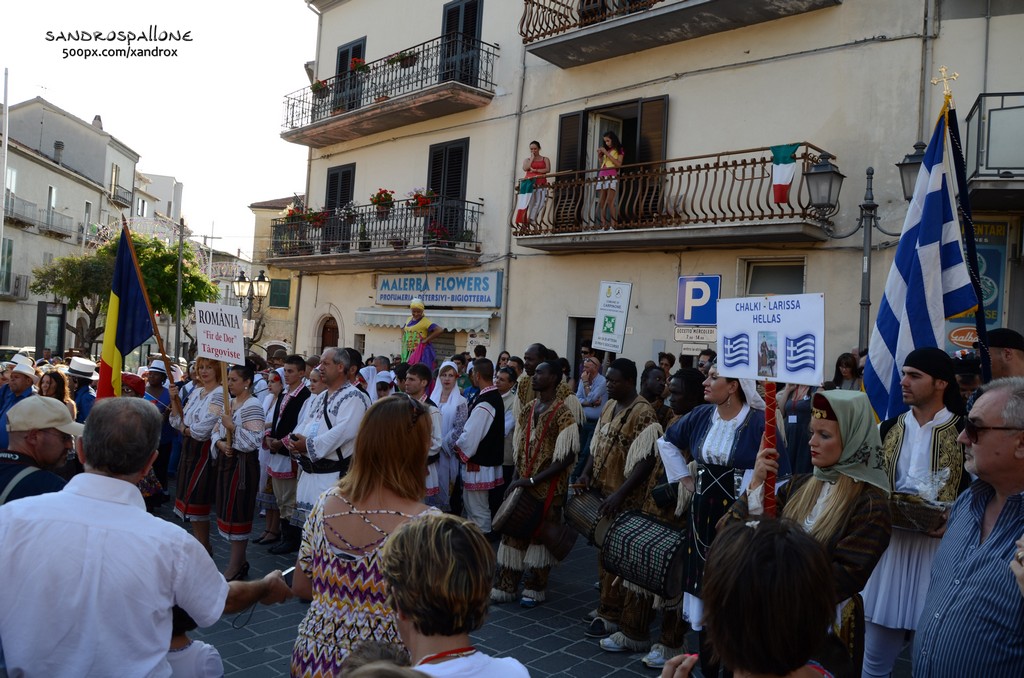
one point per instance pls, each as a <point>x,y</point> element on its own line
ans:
<point>20,209</point>
<point>122,195</point>
<point>55,222</point>
<point>544,18</point>
<point>730,187</point>
<point>450,58</point>
<point>446,222</point>
<point>995,136</point>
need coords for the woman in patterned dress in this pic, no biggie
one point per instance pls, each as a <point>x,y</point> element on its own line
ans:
<point>339,562</point>
<point>196,480</point>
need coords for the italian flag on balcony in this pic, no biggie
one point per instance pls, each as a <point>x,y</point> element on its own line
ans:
<point>523,201</point>
<point>783,170</point>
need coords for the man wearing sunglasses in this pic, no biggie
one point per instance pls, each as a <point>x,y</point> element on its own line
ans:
<point>973,617</point>
<point>919,449</point>
<point>41,434</point>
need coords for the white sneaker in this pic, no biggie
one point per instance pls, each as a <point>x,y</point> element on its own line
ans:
<point>659,654</point>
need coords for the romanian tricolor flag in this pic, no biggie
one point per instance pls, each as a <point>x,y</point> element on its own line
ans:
<point>129,322</point>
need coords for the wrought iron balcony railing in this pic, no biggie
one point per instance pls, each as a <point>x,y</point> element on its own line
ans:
<point>544,18</point>
<point>121,195</point>
<point>449,223</point>
<point>453,57</point>
<point>53,221</point>
<point>732,187</point>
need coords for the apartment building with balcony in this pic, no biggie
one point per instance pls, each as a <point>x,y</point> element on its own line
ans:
<point>699,91</point>
<point>401,105</point>
<point>279,309</point>
<point>47,207</point>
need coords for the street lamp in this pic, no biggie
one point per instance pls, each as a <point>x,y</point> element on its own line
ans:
<point>251,291</point>
<point>909,168</point>
<point>824,181</point>
<point>868,221</point>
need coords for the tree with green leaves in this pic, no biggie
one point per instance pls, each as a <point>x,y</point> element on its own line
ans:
<point>83,282</point>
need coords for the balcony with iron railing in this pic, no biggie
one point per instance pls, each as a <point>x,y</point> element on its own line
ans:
<point>571,33</point>
<point>121,195</point>
<point>446,75</point>
<point>52,222</point>
<point>700,201</point>
<point>995,152</point>
<point>443,234</point>
<point>19,211</point>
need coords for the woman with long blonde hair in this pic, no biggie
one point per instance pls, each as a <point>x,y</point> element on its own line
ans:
<point>843,504</point>
<point>339,562</point>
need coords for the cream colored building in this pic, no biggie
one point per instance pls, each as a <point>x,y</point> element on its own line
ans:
<point>698,92</point>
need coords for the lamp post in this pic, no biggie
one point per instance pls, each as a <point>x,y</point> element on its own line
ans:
<point>251,293</point>
<point>824,181</point>
<point>868,221</point>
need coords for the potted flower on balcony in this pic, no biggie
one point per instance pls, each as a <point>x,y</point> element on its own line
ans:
<point>420,200</point>
<point>398,243</point>
<point>384,200</point>
<point>364,239</point>
<point>435,233</point>
<point>404,58</point>
<point>357,65</point>
<point>320,89</point>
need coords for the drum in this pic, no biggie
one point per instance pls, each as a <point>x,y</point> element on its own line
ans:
<point>581,512</point>
<point>647,552</point>
<point>519,515</point>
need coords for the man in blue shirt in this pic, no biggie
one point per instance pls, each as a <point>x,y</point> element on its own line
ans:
<point>18,387</point>
<point>973,619</point>
<point>592,393</point>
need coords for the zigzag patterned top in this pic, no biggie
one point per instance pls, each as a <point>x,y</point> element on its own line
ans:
<point>349,600</point>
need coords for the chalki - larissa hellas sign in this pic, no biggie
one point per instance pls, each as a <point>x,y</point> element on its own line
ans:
<point>779,338</point>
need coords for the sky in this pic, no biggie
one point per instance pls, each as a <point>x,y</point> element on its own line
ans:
<point>209,116</point>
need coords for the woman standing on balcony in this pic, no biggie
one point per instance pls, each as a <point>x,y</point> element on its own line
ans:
<point>610,156</point>
<point>537,167</point>
<point>418,334</point>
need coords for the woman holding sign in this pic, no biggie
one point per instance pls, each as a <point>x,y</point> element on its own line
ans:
<point>237,439</point>
<point>196,484</point>
<point>843,504</point>
<point>723,438</point>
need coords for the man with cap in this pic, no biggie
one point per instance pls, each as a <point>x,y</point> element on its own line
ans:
<point>1006,348</point>
<point>84,373</point>
<point>919,449</point>
<point>20,380</point>
<point>40,433</point>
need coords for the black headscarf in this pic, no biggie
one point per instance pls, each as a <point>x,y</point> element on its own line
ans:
<point>936,363</point>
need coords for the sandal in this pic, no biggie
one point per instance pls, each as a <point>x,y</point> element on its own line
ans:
<point>266,538</point>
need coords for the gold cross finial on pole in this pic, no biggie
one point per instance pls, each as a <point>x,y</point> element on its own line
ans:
<point>945,80</point>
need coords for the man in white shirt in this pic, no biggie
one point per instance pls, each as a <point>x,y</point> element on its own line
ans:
<point>324,442</point>
<point>481,447</point>
<point>921,456</point>
<point>90,578</point>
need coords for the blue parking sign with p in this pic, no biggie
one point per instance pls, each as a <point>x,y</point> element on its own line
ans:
<point>697,299</point>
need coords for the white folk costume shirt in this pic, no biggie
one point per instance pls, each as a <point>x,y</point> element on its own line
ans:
<point>90,579</point>
<point>480,418</point>
<point>915,459</point>
<point>202,412</point>
<point>433,486</point>
<point>281,465</point>
<point>248,433</point>
<point>345,408</point>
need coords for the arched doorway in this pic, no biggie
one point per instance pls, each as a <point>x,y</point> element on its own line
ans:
<point>329,334</point>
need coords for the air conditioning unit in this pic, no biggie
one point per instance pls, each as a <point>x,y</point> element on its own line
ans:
<point>20,290</point>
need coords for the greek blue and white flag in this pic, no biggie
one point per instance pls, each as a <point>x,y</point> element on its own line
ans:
<point>928,282</point>
<point>800,353</point>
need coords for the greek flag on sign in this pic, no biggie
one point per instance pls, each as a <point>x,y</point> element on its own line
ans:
<point>800,353</point>
<point>928,282</point>
<point>736,350</point>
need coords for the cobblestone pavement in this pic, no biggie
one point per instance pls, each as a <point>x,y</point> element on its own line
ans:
<point>549,639</point>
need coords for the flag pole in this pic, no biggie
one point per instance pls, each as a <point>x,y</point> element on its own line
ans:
<point>968,232</point>
<point>125,233</point>
<point>769,437</point>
